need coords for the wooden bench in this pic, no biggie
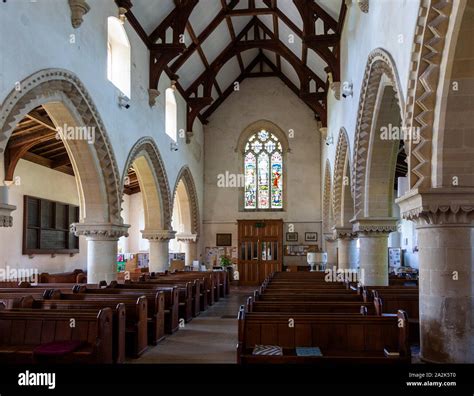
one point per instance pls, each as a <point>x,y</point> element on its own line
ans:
<point>310,306</point>
<point>341,338</point>
<point>76,276</point>
<point>132,340</point>
<point>185,294</point>
<point>22,331</point>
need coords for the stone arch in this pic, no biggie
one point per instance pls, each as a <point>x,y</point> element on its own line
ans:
<point>380,95</point>
<point>146,159</point>
<point>328,218</point>
<point>427,55</point>
<point>185,191</point>
<point>68,103</point>
<point>341,197</point>
<point>453,151</point>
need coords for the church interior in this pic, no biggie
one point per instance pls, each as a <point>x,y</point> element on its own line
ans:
<point>237,182</point>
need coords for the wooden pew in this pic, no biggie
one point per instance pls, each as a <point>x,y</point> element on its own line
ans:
<point>310,307</point>
<point>130,336</point>
<point>21,331</point>
<point>171,304</point>
<point>185,294</point>
<point>76,276</point>
<point>341,338</point>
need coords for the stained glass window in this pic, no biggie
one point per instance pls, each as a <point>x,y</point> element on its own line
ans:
<point>263,167</point>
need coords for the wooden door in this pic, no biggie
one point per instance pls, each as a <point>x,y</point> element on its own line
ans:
<point>260,249</point>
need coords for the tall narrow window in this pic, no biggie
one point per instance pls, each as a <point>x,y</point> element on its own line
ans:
<point>263,169</point>
<point>171,114</point>
<point>118,56</point>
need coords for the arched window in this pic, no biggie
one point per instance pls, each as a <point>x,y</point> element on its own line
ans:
<point>118,56</point>
<point>171,114</point>
<point>263,169</point>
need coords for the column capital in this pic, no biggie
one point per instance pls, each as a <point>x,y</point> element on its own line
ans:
<point>374,226</point>
<point>438,206</point>
<point>158,235</point>
<point>78,9</point>
<point>100,232</point>
<point>6,219</point>
<point>329,237</point>
<point>186,237</point>
<point>342,232</point>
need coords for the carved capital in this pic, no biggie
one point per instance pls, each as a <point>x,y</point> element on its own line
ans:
<point>342,233</point>
<point>158,235</point>
<point>440,206</point>
<point>373,226</point>
<point>6,219</point>
<point>100,232</point>
<point>152,95</point>
<point>189,135</point>
<point>324,132</point>
<point>78,9</point>
<point>186,237</point>
<point>329,237</point>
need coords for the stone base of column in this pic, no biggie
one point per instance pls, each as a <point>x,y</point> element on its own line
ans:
<point>343,236</point>
<point>331,250</point>
<point>190,247</point>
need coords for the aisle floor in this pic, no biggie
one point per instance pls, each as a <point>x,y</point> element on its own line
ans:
<point>209,338</point>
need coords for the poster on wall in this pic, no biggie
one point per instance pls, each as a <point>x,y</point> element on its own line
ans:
<point>395,257</point>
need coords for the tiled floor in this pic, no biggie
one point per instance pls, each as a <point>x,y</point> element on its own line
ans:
<point>209,338</point>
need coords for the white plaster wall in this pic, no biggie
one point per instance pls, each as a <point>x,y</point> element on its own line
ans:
<point>41,182</point>
<point>262,99</point>
<point>40,35</point>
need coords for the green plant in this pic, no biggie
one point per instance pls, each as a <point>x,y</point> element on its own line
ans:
<point>226,261</point>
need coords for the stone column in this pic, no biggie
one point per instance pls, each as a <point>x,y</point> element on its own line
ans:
<point>373,234</point>
<point>190,247</point>
<point>343,237</point>
<point>353,254</point>
<point>6,218</point>
<point>101,249</point>
<point>159,248</point>
<point>446,258</point>
<point>331,250</point>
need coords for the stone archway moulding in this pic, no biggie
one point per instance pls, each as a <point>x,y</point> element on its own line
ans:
<point>327,199</point>
<point>59,85</point>
<point>186,176</point>
<point>147,145</point>
<point>379,64</point>
<point>428,47</point>
<point>339,163</point>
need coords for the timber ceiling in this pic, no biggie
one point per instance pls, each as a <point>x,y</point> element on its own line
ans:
<point>208,45</point>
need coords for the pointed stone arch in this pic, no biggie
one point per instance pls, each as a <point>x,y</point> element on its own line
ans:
<point>381,83</point>
<point>146,159</point>
<point>67,101</point>
<point>341,198</point>
<point>186,180</point>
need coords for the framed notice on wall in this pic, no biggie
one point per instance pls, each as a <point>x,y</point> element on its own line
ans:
<point>395,257</point>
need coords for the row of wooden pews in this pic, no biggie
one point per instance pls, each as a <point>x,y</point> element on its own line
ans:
<point>301,318</point>
<point>100,323</point>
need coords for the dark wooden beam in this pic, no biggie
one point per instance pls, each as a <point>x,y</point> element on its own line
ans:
<point>250,12</point>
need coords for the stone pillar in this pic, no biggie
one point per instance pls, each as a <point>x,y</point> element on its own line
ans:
<point>190,247</point>
<point>446,258</point>
<point>331,250</point>
<point>373,234</point>
<point>353,254</point>
<point>6,218</point>
<point>101,249</point>
<point>159,248</point>
<point>343,237</point>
